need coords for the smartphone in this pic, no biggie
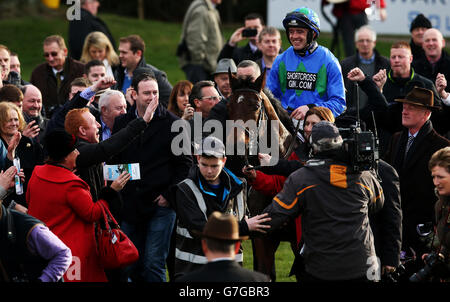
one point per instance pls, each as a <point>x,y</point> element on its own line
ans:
<point>17,182</point>
<point>249,32</point>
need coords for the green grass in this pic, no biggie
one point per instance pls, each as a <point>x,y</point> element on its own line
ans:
<point>283,260</point>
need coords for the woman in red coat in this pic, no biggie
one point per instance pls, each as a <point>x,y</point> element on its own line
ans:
<point>63,202</point>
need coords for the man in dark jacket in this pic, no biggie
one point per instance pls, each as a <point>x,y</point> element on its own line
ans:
<point>88,22</point>
<point>386,224</point>
<point>219,240</point>
<point>418,26</point>
<point>32,112</point>
<point>368,60</point>
<point>146,217</point>
<point>53,77</point>
<point>250,51</point>
<point>335,204</point>
<point>401,79</point>
<point>77,120</point>
<point>131,55</point>
<point>435,66</point>
<point>209,187</point>
<point>371,87</point>
<point>409,152</point>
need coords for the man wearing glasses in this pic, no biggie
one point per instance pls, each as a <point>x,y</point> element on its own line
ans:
<point>53,77</point>
<point>369,61</point>
<point>203,97</point>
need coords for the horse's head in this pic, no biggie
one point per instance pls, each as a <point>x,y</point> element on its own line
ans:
<point>245,100</point>
<point>251,112</point>
<point>245,111</point>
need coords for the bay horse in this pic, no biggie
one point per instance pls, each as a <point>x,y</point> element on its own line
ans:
<point>249,101</point>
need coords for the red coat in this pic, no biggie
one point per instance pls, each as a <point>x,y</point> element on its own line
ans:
<point>352,6</point>
<point>63,202</point>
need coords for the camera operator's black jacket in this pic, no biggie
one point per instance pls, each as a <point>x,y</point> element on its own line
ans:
<point>334,205</point>
<point>386,224</point>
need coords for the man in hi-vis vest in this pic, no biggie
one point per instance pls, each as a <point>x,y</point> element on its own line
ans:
<point>209,187</point>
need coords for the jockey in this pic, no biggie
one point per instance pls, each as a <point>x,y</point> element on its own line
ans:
<point>306,74</point>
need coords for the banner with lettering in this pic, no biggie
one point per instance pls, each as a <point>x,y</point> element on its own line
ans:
<point>400,13</point>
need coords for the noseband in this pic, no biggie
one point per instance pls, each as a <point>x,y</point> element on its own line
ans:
<point>262,111</point>
<point>261,116</point>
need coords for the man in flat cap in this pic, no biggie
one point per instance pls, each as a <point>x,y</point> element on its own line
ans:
<point>220,239</point>
<point>409,152</point>
<point>221,76</point>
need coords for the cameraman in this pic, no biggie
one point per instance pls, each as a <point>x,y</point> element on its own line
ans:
<point>334,203</point>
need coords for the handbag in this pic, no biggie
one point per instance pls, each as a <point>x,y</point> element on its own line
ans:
<point>115,249</point>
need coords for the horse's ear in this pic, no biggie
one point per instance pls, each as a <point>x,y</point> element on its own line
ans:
<point>260,82</point>
<point>233,79</point>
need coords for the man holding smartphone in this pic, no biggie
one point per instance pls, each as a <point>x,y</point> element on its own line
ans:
<point>253,24</point>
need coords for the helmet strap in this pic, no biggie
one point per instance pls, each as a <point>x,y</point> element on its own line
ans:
<point>308,49</point>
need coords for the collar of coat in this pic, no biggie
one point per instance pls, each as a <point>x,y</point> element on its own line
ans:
<point>232,184</point>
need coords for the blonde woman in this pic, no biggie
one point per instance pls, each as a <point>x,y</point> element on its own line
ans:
<point>97,46</point>
<point>17,146</point>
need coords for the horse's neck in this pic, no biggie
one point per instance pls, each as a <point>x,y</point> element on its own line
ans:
<point>285,138</point>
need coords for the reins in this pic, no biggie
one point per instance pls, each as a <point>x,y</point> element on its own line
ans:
<point>263,116</point>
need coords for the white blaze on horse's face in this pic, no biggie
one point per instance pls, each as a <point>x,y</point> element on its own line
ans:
<point>240,99</point>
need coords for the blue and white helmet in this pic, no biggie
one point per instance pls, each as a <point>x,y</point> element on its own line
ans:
<point>303,17</point>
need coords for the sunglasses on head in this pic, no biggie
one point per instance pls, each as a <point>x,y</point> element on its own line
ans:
<point>48,54</point>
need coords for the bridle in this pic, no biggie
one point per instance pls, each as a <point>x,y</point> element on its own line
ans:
<point>263,116</point>
<point>262,111</point>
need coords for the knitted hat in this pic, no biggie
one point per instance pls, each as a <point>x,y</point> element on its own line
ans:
<point>420,21</point>
<point>59,144</point>
<point>325,136</point>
